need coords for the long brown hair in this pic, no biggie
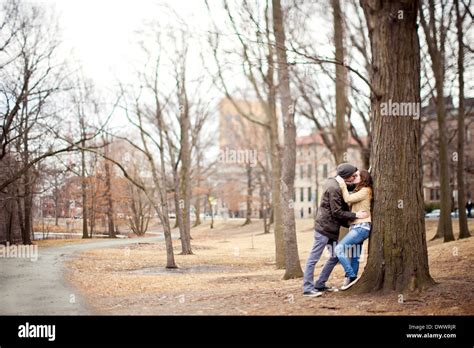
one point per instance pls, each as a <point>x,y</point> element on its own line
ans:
<point>365,181</point>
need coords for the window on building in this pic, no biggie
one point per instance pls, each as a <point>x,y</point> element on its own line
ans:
<point>309,211</point>
<point>309,194</point>
<point>310,167</point>
<point>301,172</point>
<point>434,195</point>
<point>325,170</point>
<point>468,136</point>
<point>301,195</point>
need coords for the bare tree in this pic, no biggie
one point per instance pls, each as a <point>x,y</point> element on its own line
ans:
<point>30,76</point>
<point>259,69</point>
<point>398,258</point>
<point>292,262</point>
<point>435,35</point>
<point>340,139</point>
<point>463,228</point>
<point>108,192</point>
<point>337,115</point>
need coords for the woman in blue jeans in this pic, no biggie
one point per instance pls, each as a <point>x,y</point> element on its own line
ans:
<point>350,247</point>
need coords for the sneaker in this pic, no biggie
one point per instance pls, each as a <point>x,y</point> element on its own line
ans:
<point>352,281</point>
<point>346,281</point>
<point>312,293</point>
<point>327,288</point>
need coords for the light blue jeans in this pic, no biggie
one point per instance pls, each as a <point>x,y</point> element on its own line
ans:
<point>352,244</point>
<point>320,243</point>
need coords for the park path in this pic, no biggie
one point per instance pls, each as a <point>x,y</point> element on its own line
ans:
<point>39,288</point>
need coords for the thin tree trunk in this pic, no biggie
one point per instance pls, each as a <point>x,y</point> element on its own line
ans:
<point>275,162</point>
<point>435,40</point>
<point>463,227</point>
<point>56,202</point>
<point>248,218</point>
<point>211,210</point>
<point>178,208</point>
<point>197,204</point>
<point>275,151</point>
<point>110,201</point>
<point>186,192</point>
<point>445,227</point>
<point>340,138</point>
<point>83,183</point>
<point>292,261</point>
<point>398,258</point>
<point>263,205</point>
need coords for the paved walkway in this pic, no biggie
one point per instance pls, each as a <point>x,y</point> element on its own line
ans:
<point>39,288</point>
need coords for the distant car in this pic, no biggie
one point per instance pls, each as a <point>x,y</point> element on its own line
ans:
<point>455,214</point>
<point>172,215</point>
<point>435,213</point>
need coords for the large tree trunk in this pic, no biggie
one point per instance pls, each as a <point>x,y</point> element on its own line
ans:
<point>340,138</point>
<point>292,261</point>
<point>463,228</point>
<point>398,258</point>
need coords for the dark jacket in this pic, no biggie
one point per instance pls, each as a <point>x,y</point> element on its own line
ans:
<point>333,211</point>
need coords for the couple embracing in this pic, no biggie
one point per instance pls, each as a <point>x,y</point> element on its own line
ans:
<point>333,213</point>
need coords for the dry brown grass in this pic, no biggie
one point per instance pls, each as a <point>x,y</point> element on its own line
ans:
<point>230,274</point>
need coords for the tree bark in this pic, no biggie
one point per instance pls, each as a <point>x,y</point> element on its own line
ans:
<point>435,39</point>
<point>108,193</point>
<point>292,261</point>
<point>340,138</point>
<point>185,175</point>
<point>275,161</point>
<point>248,217</point>
<point>463,227</point>
<point>398,258</point>
<point>56,200</point>
<point>211,209</point>
<point>83,182</point>
<point>197,222</point>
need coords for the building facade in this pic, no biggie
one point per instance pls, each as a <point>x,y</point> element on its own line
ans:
<point>430,151</point>
<point>314,164</point>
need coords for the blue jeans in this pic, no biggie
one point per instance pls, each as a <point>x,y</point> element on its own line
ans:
<point>320,242</point>
<point>352,243</point>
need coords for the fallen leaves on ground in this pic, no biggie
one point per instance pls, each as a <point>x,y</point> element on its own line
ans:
<point>232,273</point>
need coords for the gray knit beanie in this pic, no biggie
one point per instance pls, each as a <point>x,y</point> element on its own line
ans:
<point>345,170</point>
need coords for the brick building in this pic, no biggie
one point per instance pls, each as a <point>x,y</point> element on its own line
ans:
<point>430,153</point>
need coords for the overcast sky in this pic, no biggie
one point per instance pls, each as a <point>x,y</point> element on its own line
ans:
<point>102,33</point>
